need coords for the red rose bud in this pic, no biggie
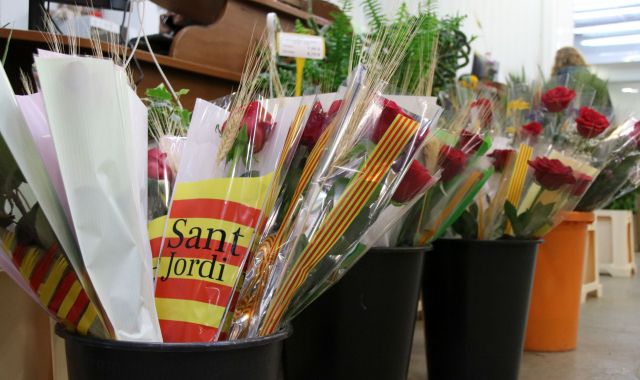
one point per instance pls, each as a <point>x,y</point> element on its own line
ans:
<point>257,119</point>
<point>157,167</point>
<point>558,98</point>
<point>500,158</point>
<point>469,142</point>
<point>334,108</point>
<point>453,162</point>
<point>532,129</point>
<point>636,134</point>
<point>416,178</point>
<point>551,174</point>
<point>591,123</point>
<point>582,184</point>
<point>390,110</point>
<point>315,126</point>
<point>484,108</point>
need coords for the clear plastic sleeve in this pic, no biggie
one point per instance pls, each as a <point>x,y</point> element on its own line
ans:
<point>231,167</point>
<point>350,182</point>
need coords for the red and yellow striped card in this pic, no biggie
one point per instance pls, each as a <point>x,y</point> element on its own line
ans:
<point>208,233</point>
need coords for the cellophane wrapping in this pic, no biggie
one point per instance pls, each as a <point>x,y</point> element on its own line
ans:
<point>224,188</point>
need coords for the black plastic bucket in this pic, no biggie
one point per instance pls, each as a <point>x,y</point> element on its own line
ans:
<point>97,359</point>
<point>476,300</point>
<point>361,328</point>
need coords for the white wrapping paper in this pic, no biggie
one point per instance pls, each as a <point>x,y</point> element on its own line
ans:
<point>90,115</point>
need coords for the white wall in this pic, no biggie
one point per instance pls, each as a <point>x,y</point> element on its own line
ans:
<point>628,102</point>
<point>517,33</point>
<point>15,13</point>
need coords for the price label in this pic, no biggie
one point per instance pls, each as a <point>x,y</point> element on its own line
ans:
<point>300,46</point>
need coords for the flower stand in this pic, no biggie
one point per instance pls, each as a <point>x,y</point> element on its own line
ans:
<point>591,285</point>
<point>614,234</point>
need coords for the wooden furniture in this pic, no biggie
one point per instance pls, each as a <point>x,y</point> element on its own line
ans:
<point>225,43</point>
<point>204,81</point>
<point>591,285</point>
<point>206,59</point>
<point>615,245</point>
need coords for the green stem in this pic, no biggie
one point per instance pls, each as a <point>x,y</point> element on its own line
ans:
<point>234,163</point>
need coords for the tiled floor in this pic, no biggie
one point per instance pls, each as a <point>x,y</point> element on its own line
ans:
<point>608,343</point>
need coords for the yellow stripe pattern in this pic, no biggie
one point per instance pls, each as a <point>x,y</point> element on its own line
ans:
<point>342,215</point>
<point>519,174</point>
<point>516,185</point>
<point>69,300</point>
<point>189,311</point>
<point>48,288</point>
<point>249,191</point>
<point>87,319</point>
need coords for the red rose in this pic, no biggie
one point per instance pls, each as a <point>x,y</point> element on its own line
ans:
<point>484,109</point>
<point>582,184</point>
<point>333,110</point>
<point>636,133</point>
<point>315,126</point>
<point>469,142</point>
<point>157,167</point>
<point>558,98</point>
<point>591,123</point>
<point>532,129</point>
<point>390,110</point>
<point>453,162</point>
<point>551,174</point>
<point>259,124</point>
<point>500,158</point>
<point>416,178</point>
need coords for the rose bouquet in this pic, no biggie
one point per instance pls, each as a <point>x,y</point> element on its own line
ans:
<point>616,177</point>
<point>412,183</point>
<point>345,189</point>
<point>236,155</point>
<point>545,168</point>
<point>455,152</point>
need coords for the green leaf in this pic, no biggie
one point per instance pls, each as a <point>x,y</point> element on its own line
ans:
<point>467,224</point>
<point>159,93</point>
<point>182,91</point>
<point>512,214</point>
<point>530,221</point>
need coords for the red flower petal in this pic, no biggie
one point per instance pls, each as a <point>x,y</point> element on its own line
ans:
<point>416,178</point>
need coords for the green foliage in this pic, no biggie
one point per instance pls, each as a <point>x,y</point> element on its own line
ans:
<point>328,74</point>
<point>240,148</point>
<point>163,107</point>
<point>467,225</point>
<point>625,202</point>
<point>375,14</point>
<point>587,79</point>
<point>530,221</point>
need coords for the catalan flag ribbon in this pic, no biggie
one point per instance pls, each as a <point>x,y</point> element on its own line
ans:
<point>51,277</point>
<point>209,230</point>
<point>350,204</point>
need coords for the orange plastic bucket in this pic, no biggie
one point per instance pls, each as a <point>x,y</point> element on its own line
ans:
<point>557,285</point>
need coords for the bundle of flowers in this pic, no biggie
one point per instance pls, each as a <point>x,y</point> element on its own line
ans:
<point>544,166</point>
